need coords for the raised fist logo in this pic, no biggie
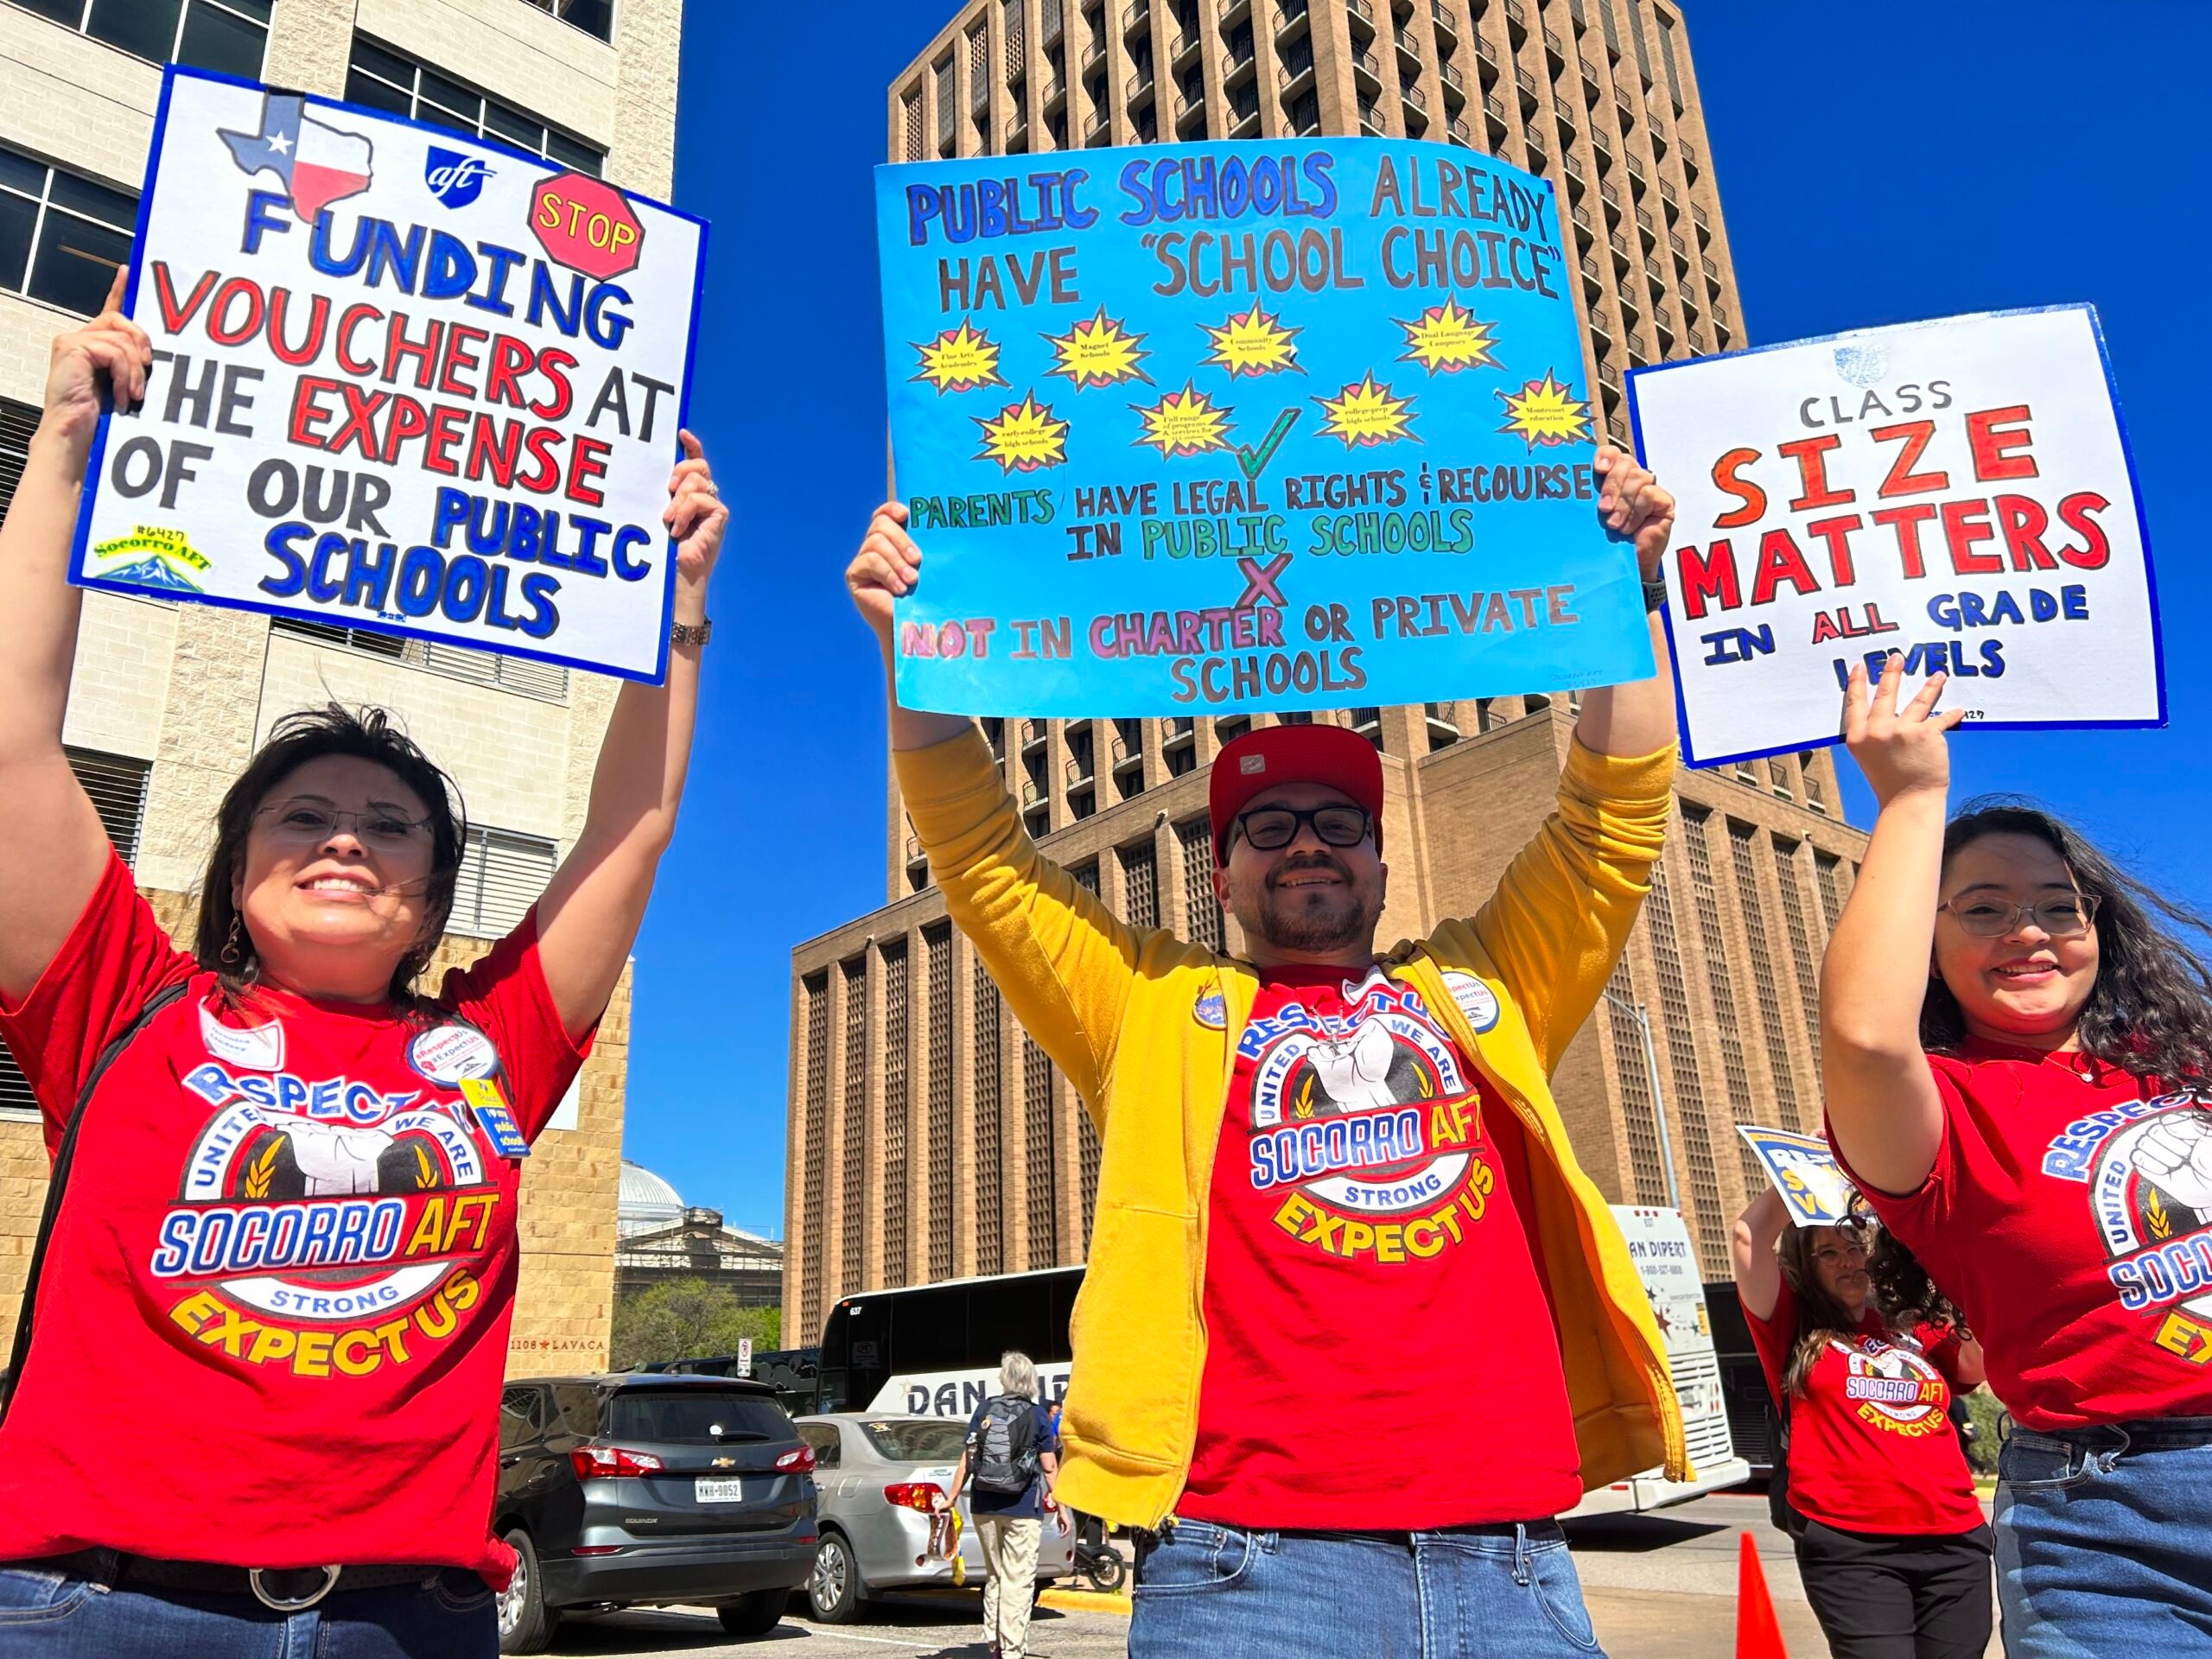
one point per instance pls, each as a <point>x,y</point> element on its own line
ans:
<point>335,1161</point>
<point>2176,1152</point>
<point>1356,1070</point>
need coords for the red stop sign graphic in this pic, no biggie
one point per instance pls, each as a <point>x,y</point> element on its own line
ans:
<point>585,224</point>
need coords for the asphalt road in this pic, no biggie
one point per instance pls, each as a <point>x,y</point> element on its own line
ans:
<point>1659,1586</point>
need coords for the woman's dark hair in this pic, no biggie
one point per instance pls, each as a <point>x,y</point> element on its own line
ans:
<point>1904,1293</point>
<point>2150,1012</point>
<point>1820,1318</point>
<point>367,734</point>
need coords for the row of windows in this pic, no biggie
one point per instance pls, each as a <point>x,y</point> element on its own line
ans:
<point>383,79</point>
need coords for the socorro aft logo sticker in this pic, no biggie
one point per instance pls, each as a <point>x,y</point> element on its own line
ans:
<point>1371,1122</point>
<point>2148,1166</point>
<point>455,179</point>
<point>1892,1387</point>
<point>321,1224</point>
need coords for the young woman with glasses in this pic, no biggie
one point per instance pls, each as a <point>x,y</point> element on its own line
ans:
<point>257,1410</point>
<point>1889,1535</point>
<point>2020,1111</point>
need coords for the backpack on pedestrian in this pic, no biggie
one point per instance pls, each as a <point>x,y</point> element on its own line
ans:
<point>1006,1446</point>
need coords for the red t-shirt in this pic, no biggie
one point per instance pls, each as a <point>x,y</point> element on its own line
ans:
<point>2059,1214</point>
<point>273,1319</point>
<point>1368,1285</point>
<point>1870,1447</point>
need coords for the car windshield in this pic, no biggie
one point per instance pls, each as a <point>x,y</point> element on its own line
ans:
<point>694,1417</point>
<point>918,1440</point>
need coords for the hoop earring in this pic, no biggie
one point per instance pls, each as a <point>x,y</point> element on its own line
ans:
<point>233,951</point>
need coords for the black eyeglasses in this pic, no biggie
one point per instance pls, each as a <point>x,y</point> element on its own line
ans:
<point>1271,828</point>
<point>2064,917</point>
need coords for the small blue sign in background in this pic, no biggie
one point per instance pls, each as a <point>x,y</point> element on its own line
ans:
<point>1202,428</point>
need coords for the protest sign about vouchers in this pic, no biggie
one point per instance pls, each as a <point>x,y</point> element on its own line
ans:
<point>404,380</point>
<point>1200,428</point>
<point>1958,491</point>
<point>1804,1170</point>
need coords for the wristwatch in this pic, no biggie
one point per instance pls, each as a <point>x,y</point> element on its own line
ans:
<point>1654,593</point>
<point>696,634</point>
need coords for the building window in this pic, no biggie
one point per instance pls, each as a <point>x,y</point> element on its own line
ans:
<point>1712,1221</point>
<point>896,1026</point>
<point>227,35</point>
<point>383,79</point>
<point>117,784</point>
<point>547,681</point>
<point>1036,1138</point>
<point>1086,877</point>
<point>1140,885</point>
<point>1800,939</point>
<point>1639,1114</point>
<point>17,423</point>
<point>1205,925</point>
<point>61,237</point>
<point>991,1180</point>
<point>1741,837</point>
<point>1705,901</point>
<point>937,941</point>
<point>502,874</point>
<point>1829,868</point>
<point>854,1128</point>
<point>594,17</point>
<point>818,1149</point>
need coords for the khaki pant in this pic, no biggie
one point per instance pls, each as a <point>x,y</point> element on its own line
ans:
<point>1009,1545</point>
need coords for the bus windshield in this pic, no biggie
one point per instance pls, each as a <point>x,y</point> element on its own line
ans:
<point>932,1349</point>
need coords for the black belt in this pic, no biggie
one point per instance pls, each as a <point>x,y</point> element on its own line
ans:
<point>285,1589</point>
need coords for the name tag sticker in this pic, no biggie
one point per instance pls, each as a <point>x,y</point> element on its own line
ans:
<point>494,1117</point>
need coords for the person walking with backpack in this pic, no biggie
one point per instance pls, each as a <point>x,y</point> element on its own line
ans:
<point>1873,1484</point>
<point>1013,1456</point>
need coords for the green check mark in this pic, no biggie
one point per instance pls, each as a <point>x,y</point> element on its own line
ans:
<point>1255,461</point>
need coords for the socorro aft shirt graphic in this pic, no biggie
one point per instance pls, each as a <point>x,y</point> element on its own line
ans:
<point>329,1226</point>
<point>2148,1168</point>
<point>1892,1386</point>
<point>1369,1123</point>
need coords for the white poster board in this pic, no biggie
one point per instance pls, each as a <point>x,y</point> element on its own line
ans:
<point>1803,1170</point>
<point>404,380</point>
<point>1958,491</point>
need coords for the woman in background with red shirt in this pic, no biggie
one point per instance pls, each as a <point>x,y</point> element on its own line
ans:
<point>258,1408</point>
<point>1889,1535</point>
<point>2003,1111</point>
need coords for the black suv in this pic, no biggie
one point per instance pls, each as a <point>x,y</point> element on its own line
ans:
<point>631,1490</point>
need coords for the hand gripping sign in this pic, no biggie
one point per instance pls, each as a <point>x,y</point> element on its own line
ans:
<point>404,380</point>
<point>1195,428</point>
<point>1803,1170</point>
<point>1960,491</point>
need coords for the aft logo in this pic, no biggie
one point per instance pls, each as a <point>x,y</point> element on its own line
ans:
<point>455,179</point>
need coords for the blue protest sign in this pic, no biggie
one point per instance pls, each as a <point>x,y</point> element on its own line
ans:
<point>1804,1171</point>
<point>1201,428</point>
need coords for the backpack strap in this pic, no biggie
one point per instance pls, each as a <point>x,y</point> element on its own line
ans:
<point>64,1156</point>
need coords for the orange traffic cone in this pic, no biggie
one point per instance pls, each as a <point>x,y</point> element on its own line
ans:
<point>1758,1633</point>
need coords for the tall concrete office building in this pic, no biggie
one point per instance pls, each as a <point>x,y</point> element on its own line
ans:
<point>169,700</point>
<point>929,1138</point>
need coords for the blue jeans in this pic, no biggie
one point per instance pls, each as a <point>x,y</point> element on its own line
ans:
<point>2104,1540</point>
<point>49,1615</point>
<point>1215,1593</point>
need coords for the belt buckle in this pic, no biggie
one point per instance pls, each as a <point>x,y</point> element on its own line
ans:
<point>290,1603</point>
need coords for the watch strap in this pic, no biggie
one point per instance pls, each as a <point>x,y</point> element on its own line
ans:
<point>690,633</point>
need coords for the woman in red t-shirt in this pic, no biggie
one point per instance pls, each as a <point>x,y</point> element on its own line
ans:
<point>261,1382</point>
<point>1890,1539</point>
<point>2003,1113</point>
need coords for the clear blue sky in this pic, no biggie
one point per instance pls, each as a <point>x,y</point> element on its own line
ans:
<point>1876,162</point>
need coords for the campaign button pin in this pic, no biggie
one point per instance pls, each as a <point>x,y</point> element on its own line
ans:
<point>448,1054</point>
<point>1475,1000</point>
<point>1211,1011</point>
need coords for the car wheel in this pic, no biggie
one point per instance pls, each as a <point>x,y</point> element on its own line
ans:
<point>526,1623</point>
<point>833,1589</point>
<point>753,1615</point>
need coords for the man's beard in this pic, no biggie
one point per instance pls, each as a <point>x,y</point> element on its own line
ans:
<point>1314,919</point>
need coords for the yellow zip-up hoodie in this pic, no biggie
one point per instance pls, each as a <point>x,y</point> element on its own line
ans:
<point>1118,1009</point>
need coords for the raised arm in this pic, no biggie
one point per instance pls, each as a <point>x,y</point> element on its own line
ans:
<point>1751,1253</point>
<point>1637,718</point>
<point>1883,1107</point>
<point>1063,960</point>
<point>589,915</point>
<point>52,846</point>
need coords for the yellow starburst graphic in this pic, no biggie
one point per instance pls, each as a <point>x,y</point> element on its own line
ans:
<point>1367,414</point>
<point>1097,352</point>
<point>1447,337</point>
<point>1544,411</point>
<point>1023,437</point>
<point>960,359</point>
<point>1185,423</point>
<point>1252,342</point>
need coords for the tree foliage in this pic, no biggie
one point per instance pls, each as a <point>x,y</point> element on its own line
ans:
<point>687,1318</point>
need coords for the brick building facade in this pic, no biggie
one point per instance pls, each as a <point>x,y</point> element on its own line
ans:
<point>168,701</point>
<point>929,1136</point>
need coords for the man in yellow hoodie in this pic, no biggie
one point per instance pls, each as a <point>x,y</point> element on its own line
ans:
<point>1355,1327</point>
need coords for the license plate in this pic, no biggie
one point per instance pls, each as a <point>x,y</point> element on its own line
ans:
<point>719,1491</point>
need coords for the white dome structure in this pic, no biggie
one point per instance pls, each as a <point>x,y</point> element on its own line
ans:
<point>645,1203</point>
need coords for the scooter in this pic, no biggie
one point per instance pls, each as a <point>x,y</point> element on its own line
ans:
<point>1095,1558</point>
